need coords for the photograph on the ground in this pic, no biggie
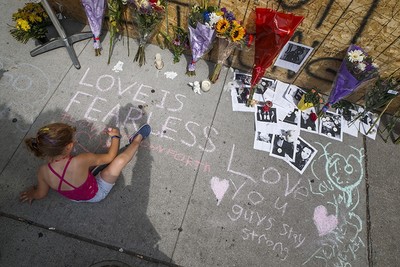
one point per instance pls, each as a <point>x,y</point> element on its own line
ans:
<point>243,78</point>
<point>281,147</point>
<point>350,122</point>
<point>264,85</point>
<point>304,153</point>
<point>266,116</point>
<point>368,125</point>
<point>263,139</point>
<point>292,117</point>
<point>331,125</point>
<point>307,122</point>
<point>294,94</point>
<point>293,55</point>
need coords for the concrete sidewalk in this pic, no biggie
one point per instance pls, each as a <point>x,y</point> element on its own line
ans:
<point>163,211</point>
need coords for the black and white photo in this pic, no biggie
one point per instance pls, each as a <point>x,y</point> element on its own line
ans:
<point>331,125</point>
<point>263,140</point>
<point>266,116</point>
<point>293,56</point>
<point>304,153</point>
<point>281,148</point>
<point>306,121</point>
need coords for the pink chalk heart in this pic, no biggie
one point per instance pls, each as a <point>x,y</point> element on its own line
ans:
<point>219,187</point>
<point>325,223</point>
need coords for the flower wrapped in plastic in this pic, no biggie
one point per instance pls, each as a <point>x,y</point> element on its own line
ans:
<point>356,68</point>
<point>94,10</point>
<point>231,34</point>
<point>116,10</point>
<point>202,20</point>
<point>31,21</point>
<point>147,15</point>
<point>273,31</point>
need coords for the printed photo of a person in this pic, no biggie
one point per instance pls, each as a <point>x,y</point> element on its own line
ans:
<point>331,125</point>
<point>242,78</point>
<point>266,116</point>
<point>281,148</point>
<point>303,155</point>
<point>292,117</point>
<point>307,123</point>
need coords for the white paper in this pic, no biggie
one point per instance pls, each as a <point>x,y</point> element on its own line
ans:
<point>293,55</point>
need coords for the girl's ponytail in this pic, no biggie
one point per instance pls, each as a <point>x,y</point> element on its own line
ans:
<point>33,146</point>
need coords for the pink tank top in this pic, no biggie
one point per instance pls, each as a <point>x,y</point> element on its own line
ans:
<point>84,192</point>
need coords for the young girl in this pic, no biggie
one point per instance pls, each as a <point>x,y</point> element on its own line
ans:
<point>70,175</point>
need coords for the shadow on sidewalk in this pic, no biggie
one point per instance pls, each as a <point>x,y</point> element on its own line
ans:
<point>119,222</point>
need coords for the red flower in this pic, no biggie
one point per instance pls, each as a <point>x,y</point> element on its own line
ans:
<point>266,108</point>
<point>313,116</point>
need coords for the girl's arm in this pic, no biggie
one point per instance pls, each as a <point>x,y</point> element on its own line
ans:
<point>100,159</point>
<point>36,192</point>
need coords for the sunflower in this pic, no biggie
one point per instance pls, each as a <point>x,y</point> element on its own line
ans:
<point>222,26</point>
<point>237,33</point>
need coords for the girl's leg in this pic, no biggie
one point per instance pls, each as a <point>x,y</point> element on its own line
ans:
<point>111,173</point>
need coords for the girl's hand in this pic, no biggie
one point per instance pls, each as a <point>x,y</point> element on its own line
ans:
<point>27,195</point>
<point>113,131</point>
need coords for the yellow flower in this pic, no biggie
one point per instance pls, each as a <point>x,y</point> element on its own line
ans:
<point>23,24</point>
<point>235,24</point>
<point>237,33</point>
<point>222,26</point>
<point>219,13</point>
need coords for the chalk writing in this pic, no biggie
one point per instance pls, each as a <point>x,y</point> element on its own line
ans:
<point>340,180</point>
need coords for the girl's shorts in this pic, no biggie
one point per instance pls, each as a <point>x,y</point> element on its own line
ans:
<point>104,189</point>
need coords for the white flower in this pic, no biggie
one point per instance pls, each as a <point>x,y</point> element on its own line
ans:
<point>355,56</point>
<point>361,66</point>
<point>214,18</point>
<point>375,65</point>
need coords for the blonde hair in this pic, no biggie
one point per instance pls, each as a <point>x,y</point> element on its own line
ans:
<point>51,140</point>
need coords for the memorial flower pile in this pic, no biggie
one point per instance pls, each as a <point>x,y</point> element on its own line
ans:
<point>356,68</point>
<point>231,34</point>
<point>202,21</point>
<point>147,15</point>
<point>31,21</point>
<point>116,10</point>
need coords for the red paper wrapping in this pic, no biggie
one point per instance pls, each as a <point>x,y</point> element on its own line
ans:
<point>273,31</point>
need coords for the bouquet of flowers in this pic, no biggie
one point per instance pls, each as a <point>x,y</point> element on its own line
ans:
<point>147,15</point>
<point>356,68</point>
<point>231,35</point>
<point>202,20</point>
<point>30,22</point>
<point>273,31</point>
<point>115,10</point>
<point>94,10</point>
<point>179,44</point>
<point>310,99</point>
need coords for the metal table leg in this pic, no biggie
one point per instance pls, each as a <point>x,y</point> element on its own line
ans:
<point>61,41</point>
